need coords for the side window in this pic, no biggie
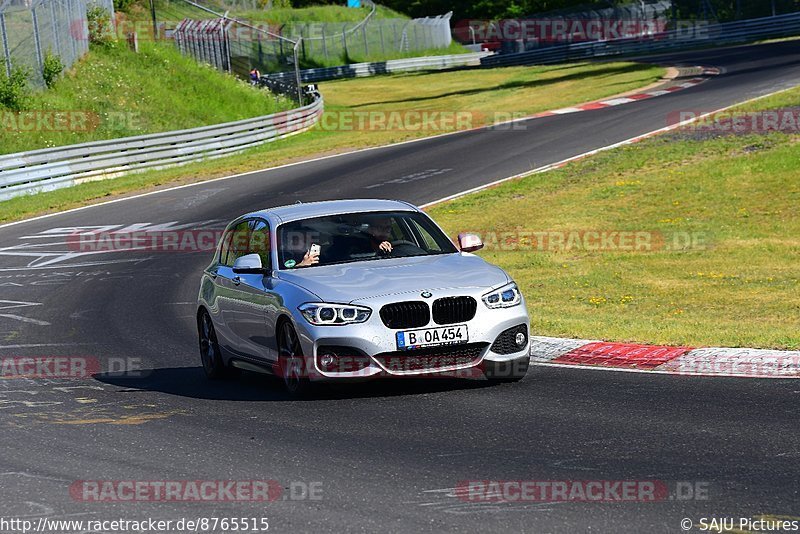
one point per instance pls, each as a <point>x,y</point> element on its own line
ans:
<point>224,246</point>
<point>259,242</point>
<point>430,242</point>
<point>238,243</point>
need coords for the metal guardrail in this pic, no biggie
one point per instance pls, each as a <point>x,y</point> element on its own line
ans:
<point>53,168</point>
<point>381,67</point>
<point>712,34</point>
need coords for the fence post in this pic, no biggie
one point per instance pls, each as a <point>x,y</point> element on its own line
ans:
<point>297,71</point>
<point>6,51</point>
<point>55,32</point>
<point>70,17</point>
<point>155,19</point>
<point>364,33</point>
<point>344,40</point>
<point>324,43</point>
<point>226,43</point>
<point>36,40</point>
<point>383,45</point>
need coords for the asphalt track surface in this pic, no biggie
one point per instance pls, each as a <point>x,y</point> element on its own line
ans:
<point>386,454</point>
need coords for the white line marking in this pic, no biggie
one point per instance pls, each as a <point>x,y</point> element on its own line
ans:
<point>24,319</point>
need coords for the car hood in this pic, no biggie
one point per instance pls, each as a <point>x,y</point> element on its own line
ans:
<point>366,279</point>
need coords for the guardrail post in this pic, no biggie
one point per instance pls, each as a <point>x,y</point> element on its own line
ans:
<point>6,51</point>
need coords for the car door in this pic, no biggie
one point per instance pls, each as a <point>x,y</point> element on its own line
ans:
<point>235,244</point>
<point>257,303</point>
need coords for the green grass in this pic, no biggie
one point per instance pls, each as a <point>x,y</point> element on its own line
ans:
<point>480,93</point>
<point>738,193</point>
<point>125,94</point>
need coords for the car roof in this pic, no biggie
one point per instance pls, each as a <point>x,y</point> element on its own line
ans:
<point>293,212</point>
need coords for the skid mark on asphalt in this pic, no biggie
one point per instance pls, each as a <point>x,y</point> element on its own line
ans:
<point>454,501</point>
<point>132,419</point>
<point>44,401</point>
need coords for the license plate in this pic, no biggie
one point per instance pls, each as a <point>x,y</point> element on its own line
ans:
<point>432,337</point>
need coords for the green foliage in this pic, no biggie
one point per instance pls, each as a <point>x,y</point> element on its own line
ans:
<point>101,32</point>
<point>123,5</point>
<point>275,4</point>
<point>52,69</point>
<point>14,89</point>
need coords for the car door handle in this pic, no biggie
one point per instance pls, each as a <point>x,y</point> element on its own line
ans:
<point>236,280</point>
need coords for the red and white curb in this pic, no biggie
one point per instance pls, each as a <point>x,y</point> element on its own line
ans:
<point>619,101</point>
<point>631,357</point>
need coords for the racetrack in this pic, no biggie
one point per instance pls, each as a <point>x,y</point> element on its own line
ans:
<point>387,455</point>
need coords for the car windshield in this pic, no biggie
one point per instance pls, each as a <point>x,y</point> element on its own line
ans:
<point>359,237</point>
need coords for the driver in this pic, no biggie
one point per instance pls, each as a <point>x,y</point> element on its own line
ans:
<point>380,231</point>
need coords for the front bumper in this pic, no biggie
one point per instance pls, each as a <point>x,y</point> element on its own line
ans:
<point>369,349</point>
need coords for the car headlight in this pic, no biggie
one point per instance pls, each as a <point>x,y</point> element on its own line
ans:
<point>323,314</point>
<point>504,297</point>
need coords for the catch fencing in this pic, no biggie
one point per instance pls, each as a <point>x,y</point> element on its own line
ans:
<point>32,30</point>
<point>237,45</point>
<point>690,37</point>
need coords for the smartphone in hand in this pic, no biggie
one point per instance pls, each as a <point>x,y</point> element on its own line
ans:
<point>314,250</point>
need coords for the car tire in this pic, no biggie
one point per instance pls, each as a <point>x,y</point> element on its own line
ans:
<point>510,371</point>
<point>210,354</point>
<point>291,362</point>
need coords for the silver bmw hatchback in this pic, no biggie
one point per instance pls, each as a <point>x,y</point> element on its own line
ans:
<point>356,289</point>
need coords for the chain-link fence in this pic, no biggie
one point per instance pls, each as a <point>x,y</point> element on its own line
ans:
<point>269,47</point>
<point>32,30</point>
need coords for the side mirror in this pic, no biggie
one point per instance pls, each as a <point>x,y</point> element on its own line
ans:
<point>248,264</point>
<point>469,242</point>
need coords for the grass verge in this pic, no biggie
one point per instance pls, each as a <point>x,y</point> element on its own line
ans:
<point>113,92</point>
<point>720,211</point>
<point>479,93</point>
